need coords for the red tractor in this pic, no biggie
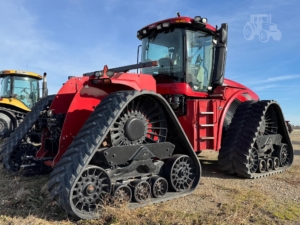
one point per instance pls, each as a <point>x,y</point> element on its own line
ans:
<point>112,135</point>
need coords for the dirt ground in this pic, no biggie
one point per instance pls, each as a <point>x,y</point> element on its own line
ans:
<point>219,199</point>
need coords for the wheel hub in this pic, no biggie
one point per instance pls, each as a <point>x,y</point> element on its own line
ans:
<point>183,173</point>
<point>134,129</point>
<point>90,189</point>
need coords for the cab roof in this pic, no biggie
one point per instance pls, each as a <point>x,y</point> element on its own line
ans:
<point>4,73</point>
<point>180,21</point>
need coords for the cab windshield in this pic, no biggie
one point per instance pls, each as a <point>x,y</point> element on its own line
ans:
<point>5,87</point>
<point>167,49</point>
<point>25,89</point>
<point>187,61</point>
<point>199,61</point>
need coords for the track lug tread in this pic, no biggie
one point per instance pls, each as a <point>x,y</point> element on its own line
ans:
<point>16,137</point>
<point>240,138</point>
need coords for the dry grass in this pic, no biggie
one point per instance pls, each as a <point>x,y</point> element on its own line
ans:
<point>219,200</point>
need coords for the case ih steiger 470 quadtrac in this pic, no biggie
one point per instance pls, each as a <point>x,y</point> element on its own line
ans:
<point>113,135</point>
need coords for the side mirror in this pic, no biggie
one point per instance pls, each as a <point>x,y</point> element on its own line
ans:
<point>220,56</point>
<point>223,33</point>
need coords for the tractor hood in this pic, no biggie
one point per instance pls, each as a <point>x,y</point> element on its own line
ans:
<point>14,103</point>
<point>232,83</point>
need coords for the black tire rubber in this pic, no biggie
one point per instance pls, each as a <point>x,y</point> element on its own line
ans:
<point>229,115</point>
<point>16,137</point>
<point>230,140</point>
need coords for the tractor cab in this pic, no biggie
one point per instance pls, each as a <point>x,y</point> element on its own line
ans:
<point>19,88</point>
<point>187,51</point>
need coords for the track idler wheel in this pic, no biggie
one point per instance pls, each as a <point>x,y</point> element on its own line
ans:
<point>283,153</point>
<point>90,192</point>
<point>141,190</point>
<point>122,194</point>
<point>159,186</point>
<point>262,166</point>
<point>181,172</point>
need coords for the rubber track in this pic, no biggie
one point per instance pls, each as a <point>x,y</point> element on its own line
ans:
<point>16,137</point>
<point>18,114</point>
<point>82,149</point>
<point>241,137</point>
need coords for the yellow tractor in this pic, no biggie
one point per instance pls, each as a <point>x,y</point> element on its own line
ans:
<point>19,92</point>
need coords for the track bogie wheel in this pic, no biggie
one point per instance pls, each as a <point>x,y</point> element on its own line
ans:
<point>122,194</point>
<point>181,172</point>
<point>90,192</point>
<point>159,186</point>
<point>262,166</point>
<point>270,163</point>
<point>275,163</point>
<point>141,190</point>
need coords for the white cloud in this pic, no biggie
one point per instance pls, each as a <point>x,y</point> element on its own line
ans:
<point>281,78</point>
<point>264,87</point>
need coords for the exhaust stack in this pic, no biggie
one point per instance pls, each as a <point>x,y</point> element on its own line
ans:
<point>45,89</point>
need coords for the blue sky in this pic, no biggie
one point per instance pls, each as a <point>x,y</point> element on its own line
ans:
<point>71,37</point>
